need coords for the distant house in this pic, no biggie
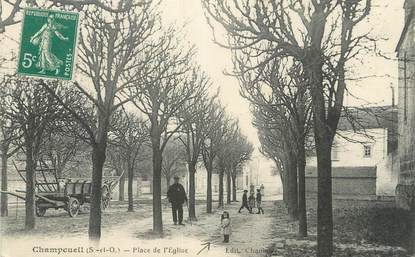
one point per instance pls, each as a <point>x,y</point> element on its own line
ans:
<point>406,53</point>
<point>364,159</point>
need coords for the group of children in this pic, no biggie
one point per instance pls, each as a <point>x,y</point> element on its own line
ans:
<point>249,204</point>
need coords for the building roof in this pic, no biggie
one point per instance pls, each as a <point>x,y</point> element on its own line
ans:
<point>356,118</point>
<point>363,118</point>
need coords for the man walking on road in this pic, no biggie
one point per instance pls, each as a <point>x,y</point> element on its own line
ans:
<point>177,196</point>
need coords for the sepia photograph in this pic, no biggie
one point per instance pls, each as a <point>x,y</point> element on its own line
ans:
<point>211,128</point>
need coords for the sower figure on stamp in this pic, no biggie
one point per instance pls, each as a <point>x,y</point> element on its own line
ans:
<point>48,61</point>
<point>245,202</point>
<point>177,196</point>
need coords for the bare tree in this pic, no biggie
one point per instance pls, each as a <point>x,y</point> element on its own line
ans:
<point>10,142</point>
<point>272,146</point>
<point>195,122</point>
<point>239,153</point>
<point>279,87</point>
<point>33,108</point>
<point>111,45</point>
<point>222,162</point>
<point>274,131</point>
<point>212,145</point>
<point>324,39</point>
<point>63,142</point>
<point>160,95</point>
<point>130,133</point>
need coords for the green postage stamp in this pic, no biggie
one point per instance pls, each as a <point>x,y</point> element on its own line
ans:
<point>48,44</point>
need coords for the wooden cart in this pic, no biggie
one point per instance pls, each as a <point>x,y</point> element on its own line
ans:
<point>64,193</point>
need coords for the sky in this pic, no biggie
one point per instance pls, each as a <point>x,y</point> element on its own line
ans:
<point>214,59</point>
<point>385,21</point>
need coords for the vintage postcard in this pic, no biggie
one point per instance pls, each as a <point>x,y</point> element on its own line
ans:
<point>183,128</point>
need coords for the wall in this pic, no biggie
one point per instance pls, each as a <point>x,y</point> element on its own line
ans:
<point>347,182</point>
<point>406,187</point>
<point>387,172</point>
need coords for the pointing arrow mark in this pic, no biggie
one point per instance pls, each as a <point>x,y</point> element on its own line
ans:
<point>206,245</point>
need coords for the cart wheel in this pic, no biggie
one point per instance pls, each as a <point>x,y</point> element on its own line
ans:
<point>40,212</point>
<point>73,206</point>
<point>105,197</point>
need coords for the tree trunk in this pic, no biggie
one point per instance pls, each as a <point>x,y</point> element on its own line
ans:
<point>234,188</point>
<point>284,185</point>
<point>192,189</point>
<point>324,202</point>
<point>411,237</point>
<point>59,171</point>
<point>323,134</point>
<point>220,204</point>
<point>157,211</point>
<point>4,197</point>
<point>30,186</point>
<point>98,160</point>
<point>292,192</point>
<point>121,188</point>
<point>302,208</point>
<point>228,187</point>
<point>167,182</point>
<point>209,190</point>
<point>130,189</point>
<point>323,140</point>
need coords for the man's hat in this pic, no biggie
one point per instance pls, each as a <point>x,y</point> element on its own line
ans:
<point>176,177</point>
<point>245,190</point>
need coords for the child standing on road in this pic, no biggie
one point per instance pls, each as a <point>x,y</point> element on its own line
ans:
<point>251,202</point>
<point>225,223</point>
<point>259,201</point>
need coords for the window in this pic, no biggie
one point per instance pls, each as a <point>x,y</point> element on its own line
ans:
<point>367,151</point>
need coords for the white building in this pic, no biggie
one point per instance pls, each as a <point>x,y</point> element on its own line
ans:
<point>364,161</point>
